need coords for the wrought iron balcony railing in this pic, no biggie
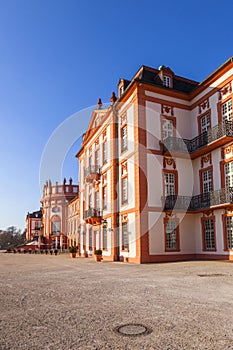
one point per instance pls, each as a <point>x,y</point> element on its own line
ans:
<point>201,201</point>
<point>93,213</point>
<point>92,170</point>
<point>55,233</point>
<point>176,144</point>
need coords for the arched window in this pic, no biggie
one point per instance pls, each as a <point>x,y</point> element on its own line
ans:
<point>56,225</point>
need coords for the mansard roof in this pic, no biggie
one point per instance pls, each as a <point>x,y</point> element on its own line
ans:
<point>35,214</point>
<point>152,76</point>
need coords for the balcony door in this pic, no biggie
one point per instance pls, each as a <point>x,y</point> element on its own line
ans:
<point>56,228</point>
<point>207,181</point>
<point>228,168</point>
<point>167,128</point>
<point>169,184</point>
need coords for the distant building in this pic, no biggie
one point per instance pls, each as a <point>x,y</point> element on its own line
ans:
<point>34,225</point>
<point>55,212</point>
<point>73,230</point>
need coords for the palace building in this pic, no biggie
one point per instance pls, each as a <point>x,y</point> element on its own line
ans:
<point>73,229</point>
<point>156,170</point>
<point>34,225</point>
<point>55,201</point>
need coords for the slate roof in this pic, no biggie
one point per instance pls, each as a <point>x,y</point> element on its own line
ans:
<point>35,214</point>
<point>151,76</point>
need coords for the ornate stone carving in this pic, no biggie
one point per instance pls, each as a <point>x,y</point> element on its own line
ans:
<point>165,109</point>
<point>227,89</point>
<point>168,161</point>
<point>229,211</point>
<point>206,159</point>
<point>208,213</point>
<point>124,218</point>
<point>124,168</point>
<point>123,119</point>
<point>227,150</point>
<point>170,214</point>
<point>203,105</point>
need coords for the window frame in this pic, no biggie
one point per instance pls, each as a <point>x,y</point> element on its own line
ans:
<point>201,172</point>
<point>166,81</point>
<point>105,238</point>
<point>220,106</point>
<point>124,148</point>
<point>173,120</point>
<point>177,231</point>
<point>225,233</point>
<point>204,245</point>
<point>105,152</point>
<point>104,197</point>
<point>123,248</point>
<point>124,179</point>
<point>200,117</point>
<point>90,235</point>
<point>175,173</point>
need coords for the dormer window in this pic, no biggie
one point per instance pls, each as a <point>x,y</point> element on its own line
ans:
<point>166,75</point>
<point>166,81</point>
<point>121,87</point>
<point>121,90</point>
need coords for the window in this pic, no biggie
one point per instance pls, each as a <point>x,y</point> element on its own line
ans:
<point>229,232</point>
<point>105,197</point>
<point>124,143</point>
<point>205,123</point>
<point>229,174</point>
<point>90,198</point>
<point>90,160</point>
<point>171,235</point>
<point>56,227</point>
<point>97,122</point>
<point>97,158</point>
<point>124,190</point>
<point>90,239</point>
<point>105,238</point>
<point>209,235</point>
<point>125,236</point>
<point>166,81</point>
<point>104,152</point>
<point>97,200</point>
<point>227,111</point>
<point>121,90</point>
<point>169,184</point>
<point>207,181</point>
<point>167,128</point>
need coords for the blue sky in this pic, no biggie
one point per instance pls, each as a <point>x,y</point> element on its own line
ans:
<point>58,57</point>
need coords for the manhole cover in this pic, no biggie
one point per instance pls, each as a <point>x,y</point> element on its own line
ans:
<point>132,329</point>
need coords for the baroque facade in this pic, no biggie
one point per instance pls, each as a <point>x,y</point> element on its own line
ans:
<point>73,229</point>
<point>156,170</point>
<point>34,225</point>
<point>155,173</point>
<point>55,203</point>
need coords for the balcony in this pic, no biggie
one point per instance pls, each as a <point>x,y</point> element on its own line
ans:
<point>92,173</point>
<point>205,142</point>
<point>202,201</point>
<point>93,216</point>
